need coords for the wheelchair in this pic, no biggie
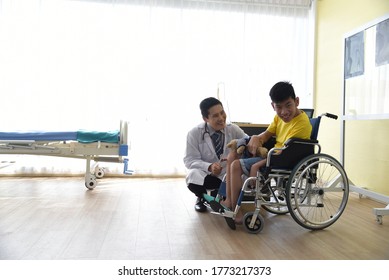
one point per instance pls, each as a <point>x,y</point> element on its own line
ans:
<point>309,185</point>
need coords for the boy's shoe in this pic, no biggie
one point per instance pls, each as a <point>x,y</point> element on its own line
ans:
<point>265,190</point>
<point>265,193</point>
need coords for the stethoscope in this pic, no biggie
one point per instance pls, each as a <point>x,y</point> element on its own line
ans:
<point>206,131</point>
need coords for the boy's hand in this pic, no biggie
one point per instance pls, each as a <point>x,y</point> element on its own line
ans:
<point>253,144</point>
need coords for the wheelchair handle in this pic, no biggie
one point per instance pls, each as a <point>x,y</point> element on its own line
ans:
<point>332,116</point>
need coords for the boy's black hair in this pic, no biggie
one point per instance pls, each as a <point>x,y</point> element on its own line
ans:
<point>208,103</point>
<point>282,91</point>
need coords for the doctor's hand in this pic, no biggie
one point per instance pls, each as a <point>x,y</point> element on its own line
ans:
<point>215,168</point>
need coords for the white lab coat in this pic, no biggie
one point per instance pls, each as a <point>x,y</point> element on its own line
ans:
<point>200,153</point>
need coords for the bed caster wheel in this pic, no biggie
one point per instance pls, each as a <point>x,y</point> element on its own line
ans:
<point>251,225</point>
<point>379,219</point>
<point>99,172</point>
<point>90,182</point>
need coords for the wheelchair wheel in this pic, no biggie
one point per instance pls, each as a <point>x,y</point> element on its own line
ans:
<point>253,226</point>
<point>317,191</point>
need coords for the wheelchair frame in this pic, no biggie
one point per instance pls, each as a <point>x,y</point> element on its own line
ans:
<point>314,191</point>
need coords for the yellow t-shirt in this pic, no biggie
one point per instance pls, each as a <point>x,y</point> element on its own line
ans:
<point>298,127</point>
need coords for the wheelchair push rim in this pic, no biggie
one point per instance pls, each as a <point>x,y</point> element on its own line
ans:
<point>317,191</point>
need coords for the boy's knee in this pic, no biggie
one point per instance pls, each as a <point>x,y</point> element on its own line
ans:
<point>232,156</point>
<point>235,166</point>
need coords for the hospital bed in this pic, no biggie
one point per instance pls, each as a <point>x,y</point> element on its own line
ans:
<point>97,146</point>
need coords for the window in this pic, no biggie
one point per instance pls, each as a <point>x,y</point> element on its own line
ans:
<point>69,65</point>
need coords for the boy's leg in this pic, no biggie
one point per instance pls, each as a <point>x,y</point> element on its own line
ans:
<point>232,156</point>
<point>236,186</point>
<point>236,182</point>
<point>253,172</point>
<point>256,166</point>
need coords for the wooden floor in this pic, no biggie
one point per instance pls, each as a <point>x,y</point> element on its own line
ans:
<point>124,219</point>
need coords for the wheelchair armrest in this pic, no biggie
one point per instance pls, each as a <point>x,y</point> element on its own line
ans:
<point>273,152</point>
<point>291,141</point>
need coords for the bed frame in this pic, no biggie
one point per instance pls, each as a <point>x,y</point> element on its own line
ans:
<point>111,146</point>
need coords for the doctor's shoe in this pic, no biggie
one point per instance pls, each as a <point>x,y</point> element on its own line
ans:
<point>199,206</point>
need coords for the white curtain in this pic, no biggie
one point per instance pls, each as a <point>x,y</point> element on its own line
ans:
<point>68,65</point>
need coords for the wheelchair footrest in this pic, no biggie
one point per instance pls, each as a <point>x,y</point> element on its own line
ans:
<point>231,223</point>
<point>217,207</point>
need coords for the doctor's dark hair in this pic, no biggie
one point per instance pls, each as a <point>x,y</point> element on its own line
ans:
<point>282,91</point>
<point>206,104</point>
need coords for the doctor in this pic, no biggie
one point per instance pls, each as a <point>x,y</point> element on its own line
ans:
<point>206,150</point>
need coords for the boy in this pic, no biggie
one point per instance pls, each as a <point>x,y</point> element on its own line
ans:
<point>289,122</point>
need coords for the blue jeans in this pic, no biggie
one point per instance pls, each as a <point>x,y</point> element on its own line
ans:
<point>246,164</point>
